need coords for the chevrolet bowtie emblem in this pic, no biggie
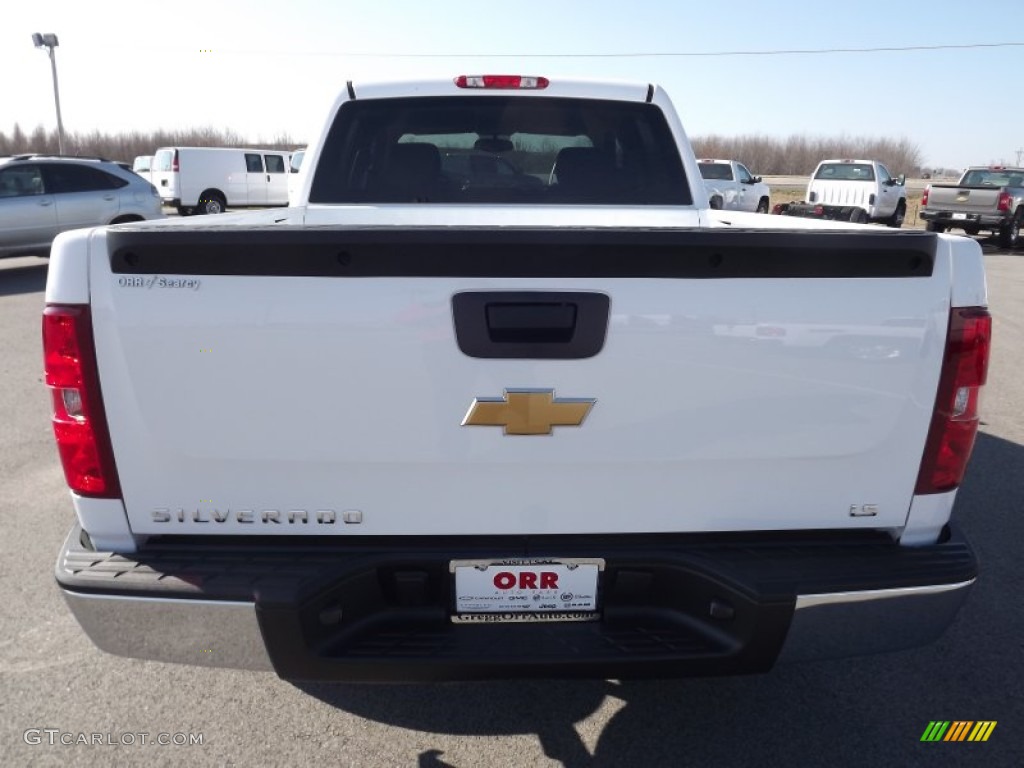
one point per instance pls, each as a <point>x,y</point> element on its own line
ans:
<point>528,411</point>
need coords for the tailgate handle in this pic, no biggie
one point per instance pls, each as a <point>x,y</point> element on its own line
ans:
<point>531,322</point>
<point>565,325</point>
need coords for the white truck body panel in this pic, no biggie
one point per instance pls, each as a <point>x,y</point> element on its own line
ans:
<point>209,419</point>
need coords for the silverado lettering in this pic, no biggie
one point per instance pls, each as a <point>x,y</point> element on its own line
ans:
<point>321,516</point>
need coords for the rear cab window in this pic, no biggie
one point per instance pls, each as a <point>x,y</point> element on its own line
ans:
<point>845,172</point>
<point>987,178</point>
<point>715,171</point>
<point>500,149</point>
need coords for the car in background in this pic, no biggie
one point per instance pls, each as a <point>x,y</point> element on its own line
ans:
<point>987,198</point>
<point>861,191</point>
<point>213,179</point>
<point>42,196</point>
<point>731,187</point>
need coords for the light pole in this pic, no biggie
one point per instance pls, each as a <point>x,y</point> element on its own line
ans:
<point>49,40</point>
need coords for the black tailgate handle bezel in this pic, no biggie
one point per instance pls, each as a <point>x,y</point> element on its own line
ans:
<point>547,325</point>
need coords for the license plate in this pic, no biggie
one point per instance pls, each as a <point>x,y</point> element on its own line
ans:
<point>529,589</point>
<point>960,216</point>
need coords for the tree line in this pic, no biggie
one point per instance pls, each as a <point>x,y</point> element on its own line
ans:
<point>795,155</point>
<point>128,145</point>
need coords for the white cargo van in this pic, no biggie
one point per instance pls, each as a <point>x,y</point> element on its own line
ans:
<point>211,179</point>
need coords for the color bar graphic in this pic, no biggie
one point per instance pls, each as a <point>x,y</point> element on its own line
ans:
<point>958,730</point>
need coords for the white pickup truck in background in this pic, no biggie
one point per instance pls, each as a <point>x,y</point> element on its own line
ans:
<point>861,191</point>
<point>542,422</point>
<point>731,187</point>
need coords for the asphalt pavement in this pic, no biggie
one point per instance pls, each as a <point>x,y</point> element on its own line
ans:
<point>871,711</point>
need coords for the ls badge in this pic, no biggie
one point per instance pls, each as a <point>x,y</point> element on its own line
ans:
<point>528,411</point>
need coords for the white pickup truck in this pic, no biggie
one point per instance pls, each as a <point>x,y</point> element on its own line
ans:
<point>411,429</point>
<point>731,187</point>
<point>861,191</point>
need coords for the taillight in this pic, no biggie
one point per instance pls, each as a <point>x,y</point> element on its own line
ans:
<point>79,423</point>
<point>924,195</point>
<point>955,419</point>
<point>1005,201</point>
<point>501,82</point>
<point>174,162</point>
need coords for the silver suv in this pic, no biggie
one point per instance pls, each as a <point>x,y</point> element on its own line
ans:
<point>43,195</point>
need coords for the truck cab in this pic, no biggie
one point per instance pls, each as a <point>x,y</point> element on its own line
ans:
<point>732,187</point>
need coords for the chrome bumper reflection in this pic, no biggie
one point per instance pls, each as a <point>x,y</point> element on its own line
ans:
<point>841,624</point>
<point>207,633</point>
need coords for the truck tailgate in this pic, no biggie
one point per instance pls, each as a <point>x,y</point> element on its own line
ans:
<point>285,381</point>
<point>963,199</point>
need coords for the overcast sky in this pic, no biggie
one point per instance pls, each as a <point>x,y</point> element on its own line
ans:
<point>264,68</point>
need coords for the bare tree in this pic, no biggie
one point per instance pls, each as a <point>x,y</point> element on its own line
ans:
<point>799,154</point>
<point>127,145</point>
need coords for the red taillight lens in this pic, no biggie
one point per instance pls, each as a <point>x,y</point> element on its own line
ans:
<point>924,195</point>
<point>79,423</point>
<point>501,82</point>
<point>174,162</point>
<point>955,419</point>
<point>1005,201</point>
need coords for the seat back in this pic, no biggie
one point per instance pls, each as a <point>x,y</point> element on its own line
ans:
<point>412,171</point>
<point>583,171</point>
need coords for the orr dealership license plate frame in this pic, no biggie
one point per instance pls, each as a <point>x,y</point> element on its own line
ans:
<point>526,589</point>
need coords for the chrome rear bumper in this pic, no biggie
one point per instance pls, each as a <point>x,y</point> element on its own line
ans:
<point>381,611</point>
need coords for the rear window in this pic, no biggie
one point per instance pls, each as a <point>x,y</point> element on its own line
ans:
<point>500,149</point>
<point>993,178</point>
<point>718,171</point>
<point>846,172</point>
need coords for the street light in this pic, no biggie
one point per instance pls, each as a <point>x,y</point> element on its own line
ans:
<point>49,40</point>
